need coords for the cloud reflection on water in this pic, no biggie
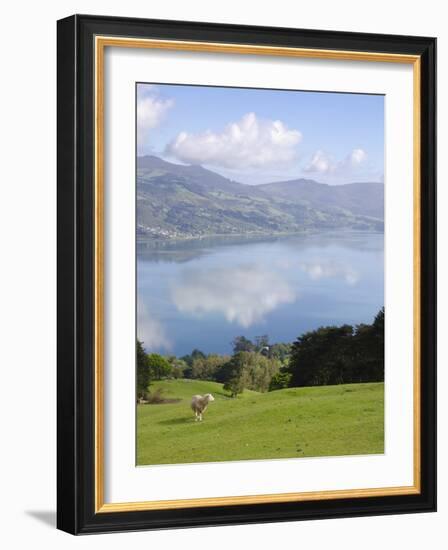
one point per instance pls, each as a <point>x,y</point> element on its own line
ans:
<point>149,330</point>
<point>243,294</point>
<point>330,269</point>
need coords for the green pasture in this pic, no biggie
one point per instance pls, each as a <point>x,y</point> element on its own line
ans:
<point>293,422</point>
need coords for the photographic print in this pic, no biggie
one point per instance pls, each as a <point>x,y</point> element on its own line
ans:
<point>260,274</point>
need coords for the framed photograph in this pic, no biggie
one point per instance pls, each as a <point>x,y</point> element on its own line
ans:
<point>246,274</point>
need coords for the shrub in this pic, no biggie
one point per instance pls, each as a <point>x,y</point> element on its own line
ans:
<point>159,366</point>
<point>280,381</point>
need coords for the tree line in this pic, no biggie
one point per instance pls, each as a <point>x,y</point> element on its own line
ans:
<point>325,356</point>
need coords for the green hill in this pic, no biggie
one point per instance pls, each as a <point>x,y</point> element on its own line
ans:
<point>176,202</point>
<point>294,422</point>
<point>363,199</point>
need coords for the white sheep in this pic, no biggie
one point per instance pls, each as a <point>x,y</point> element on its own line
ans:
<point>200,403</point>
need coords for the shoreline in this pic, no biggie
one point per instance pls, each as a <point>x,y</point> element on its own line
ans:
<point>160,244</point>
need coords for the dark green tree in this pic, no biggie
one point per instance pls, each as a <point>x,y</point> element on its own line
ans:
<point>236,375</point>
<point>143,374</point>
<point>339,355</point>
<point>322,357</point>
<point>195,354</point>
<point>368,364</point>
<point>241,343</point>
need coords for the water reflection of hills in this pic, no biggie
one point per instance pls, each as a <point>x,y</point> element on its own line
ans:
<point>182,251</point>
<point>344,239</point>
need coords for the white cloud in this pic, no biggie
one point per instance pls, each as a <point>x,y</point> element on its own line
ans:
<point>323,163</point>
<point>243,295</point>
<point>322,270</point>
<point>150,331</point>
<point>151,109</point>
<point>248,143</point>
<point>357,157</point>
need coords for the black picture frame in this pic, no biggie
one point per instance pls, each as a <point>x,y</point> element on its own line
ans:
<point>76,269</point>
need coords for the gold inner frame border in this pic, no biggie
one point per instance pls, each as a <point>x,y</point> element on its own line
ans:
<point>101,42</point>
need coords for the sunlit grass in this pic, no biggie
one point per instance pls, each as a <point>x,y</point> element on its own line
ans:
<point>294,422</point>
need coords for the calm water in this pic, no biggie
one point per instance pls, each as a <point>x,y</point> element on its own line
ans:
<point>203,294</point>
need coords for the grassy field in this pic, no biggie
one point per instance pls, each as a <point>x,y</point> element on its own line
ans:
<point>294,422</point>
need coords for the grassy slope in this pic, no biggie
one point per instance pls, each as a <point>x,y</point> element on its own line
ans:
<point>295,422</point>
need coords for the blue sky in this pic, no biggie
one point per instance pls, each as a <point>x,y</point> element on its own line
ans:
<point>256,136</point>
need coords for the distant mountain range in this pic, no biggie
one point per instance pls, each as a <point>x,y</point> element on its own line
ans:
<point>178,202</point>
